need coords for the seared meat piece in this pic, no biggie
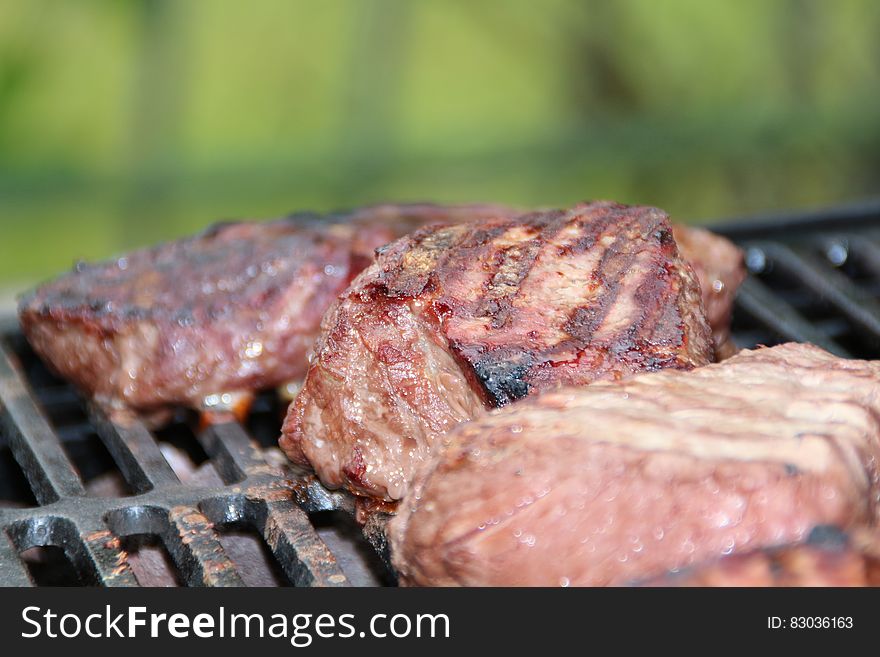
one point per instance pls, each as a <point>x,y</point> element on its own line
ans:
<point>454,319</point>
<point>212,317</point>
<point>610,484</point>
<point>720,270</point>
<point>829,557</point>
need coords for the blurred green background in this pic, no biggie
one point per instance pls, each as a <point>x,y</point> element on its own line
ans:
<point>125,122</point>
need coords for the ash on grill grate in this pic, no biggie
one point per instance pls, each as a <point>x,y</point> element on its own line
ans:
<point>86,500</point>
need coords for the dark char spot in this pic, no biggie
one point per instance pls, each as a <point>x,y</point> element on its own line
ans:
<point>829,537</point>
<point>503,379</point>
<point>664,236</point>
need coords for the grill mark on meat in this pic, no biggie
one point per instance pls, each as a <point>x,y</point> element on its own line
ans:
<point>585,322</point>
<point>586,237</point>
<point>519,306</point>
<point>514,264</point>
<point>598,308</point>
<point>231,310</point>
<point>859,469</point>
<point>503,372</point>
<point>652,292</point>
<point>650,296</point>
<point>410,276</point>
<point>798,453</point>
<point>741,455</point>
<point>656,278</point>
<point>505,375</point>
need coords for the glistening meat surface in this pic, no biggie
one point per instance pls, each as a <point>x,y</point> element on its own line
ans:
<point>453,319</point>
<point>610,484</point>
<point>237,308</point>
<point>226,312</point>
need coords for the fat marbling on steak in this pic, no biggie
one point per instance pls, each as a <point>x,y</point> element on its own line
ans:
<point>610,484</point>
<point>215,316</point>
<point>453,319</point>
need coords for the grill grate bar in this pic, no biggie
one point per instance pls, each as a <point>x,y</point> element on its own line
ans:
<point>233,453</point>
<point>285,527</point>
<point>95,555</point>
<point>34,444</point>
<point>867,251</point>
<point>270,510</point>
<point>304,556</point>
<point>853,302</point>
<point>135,451</point>
<point>162,507</point>
<point>772,311</point>
<point>100,556</point>
<point>195,547</point>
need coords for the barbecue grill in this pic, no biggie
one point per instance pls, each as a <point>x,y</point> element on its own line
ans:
<point>814,278</point>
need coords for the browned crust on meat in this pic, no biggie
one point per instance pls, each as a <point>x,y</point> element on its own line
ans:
<point>489,288</point>
<point>231,310</point>
<point>519,305</point>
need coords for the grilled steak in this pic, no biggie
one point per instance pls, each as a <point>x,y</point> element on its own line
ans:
<point>609,484</point>
<point>453,319</point>
<point>829,557</point>
<point>212,317</point>
<point>720,270</point>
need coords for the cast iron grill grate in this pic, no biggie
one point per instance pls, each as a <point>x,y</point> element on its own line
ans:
<point>814,278</point>
<point>61,446</point>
